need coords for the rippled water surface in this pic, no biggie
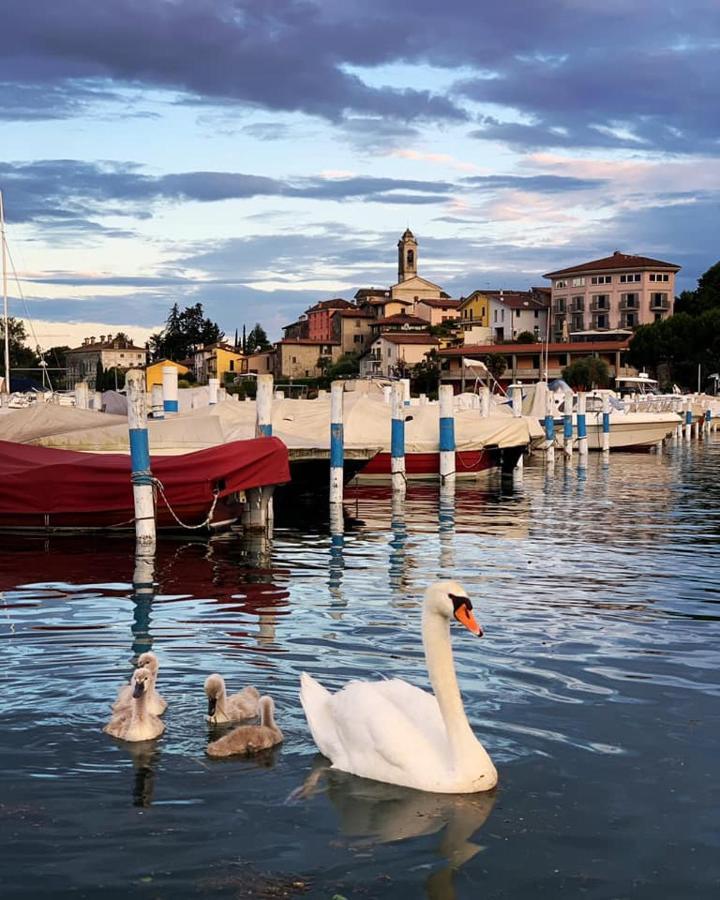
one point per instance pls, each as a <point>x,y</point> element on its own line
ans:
<point>596,690</point>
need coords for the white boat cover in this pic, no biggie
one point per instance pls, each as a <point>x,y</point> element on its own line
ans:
<point>22,426</point>
<point>304,425</point>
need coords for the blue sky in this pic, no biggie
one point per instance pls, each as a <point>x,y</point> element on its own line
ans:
<point>259,156</point>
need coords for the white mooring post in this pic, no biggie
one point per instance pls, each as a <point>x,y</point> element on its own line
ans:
<point>170,390</point>
<point>568,423</point>
<point>549,427</point>
<point>447,434</point>
<point>97,401</point>
<point>337,443</point>
<point>406,390</point>
<point>582,425</point>
<point>82,395</point>
<point>606,424</point>
<point>397,437</point>
<point>140,461</point>
<point>213,387</point>
<point>156,401</point>
<point>263,406</point>
<point>387,394</point>
<point>517,412</point>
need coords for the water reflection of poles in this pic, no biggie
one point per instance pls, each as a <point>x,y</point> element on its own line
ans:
<point>337,545</point>
<point>143,594</point>
<point>398,551</point>
<point>446,523</point>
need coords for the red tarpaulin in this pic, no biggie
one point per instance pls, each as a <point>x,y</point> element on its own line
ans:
<point>47,481</point>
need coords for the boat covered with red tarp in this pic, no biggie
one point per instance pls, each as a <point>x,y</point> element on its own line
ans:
<point>49,489</point>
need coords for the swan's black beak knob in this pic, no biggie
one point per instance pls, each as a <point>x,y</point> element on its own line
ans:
<point>212,703</point>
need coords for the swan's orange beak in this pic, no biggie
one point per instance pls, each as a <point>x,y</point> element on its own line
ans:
<point>465,616</point>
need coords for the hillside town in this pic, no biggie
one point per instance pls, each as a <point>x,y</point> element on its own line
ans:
<point>589,309</point>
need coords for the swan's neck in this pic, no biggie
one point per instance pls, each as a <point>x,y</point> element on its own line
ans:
<point>266,715</point>
<point>220,704</point>
<point>139,707</point>
<point>439,659</point>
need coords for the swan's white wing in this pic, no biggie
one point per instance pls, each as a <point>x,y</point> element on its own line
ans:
<point>315,701</point>
<point>419,706</point>
<point>377,738</point>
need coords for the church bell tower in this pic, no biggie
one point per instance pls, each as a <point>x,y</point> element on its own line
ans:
<point>407,256</point>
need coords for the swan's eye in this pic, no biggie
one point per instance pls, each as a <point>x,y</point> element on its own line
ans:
<point>459,600</point>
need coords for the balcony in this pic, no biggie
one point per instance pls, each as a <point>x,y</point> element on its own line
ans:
<point>659,303</point>
<point>600,304</point>
<point>559,307</point>
<point>578,304</point>
<point>629,301</point>
<point>577,323</point>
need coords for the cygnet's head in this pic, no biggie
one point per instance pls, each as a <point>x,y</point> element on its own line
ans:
<point>149,660</point>
<point>142,680</point>
<point>449,599</point>
<point>214,689</point>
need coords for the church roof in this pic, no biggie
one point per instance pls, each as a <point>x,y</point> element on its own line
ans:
<point>407,234</point>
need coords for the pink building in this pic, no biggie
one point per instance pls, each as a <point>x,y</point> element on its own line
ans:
<point>618,292</point>
<point>318,318</point>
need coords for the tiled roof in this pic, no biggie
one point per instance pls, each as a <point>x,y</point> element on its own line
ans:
<point>107,345</point>
<point>402,318</point>
<point>537,348</point>
<point>308,341</point>
<point>409,337</point>
<point>617,261</point>
<point>519,299</point>
<point>337,303</point>
<point>363,293</point>
<point>353,314</point>
<point>380,301</point>
<point>440,304</point>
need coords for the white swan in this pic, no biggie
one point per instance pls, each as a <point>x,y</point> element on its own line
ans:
<point>155,703</point>
<point>394,732</point>
<point>136,723</point>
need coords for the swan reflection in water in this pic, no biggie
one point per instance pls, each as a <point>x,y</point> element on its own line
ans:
<point>144,756</point>
<point>372,812</point>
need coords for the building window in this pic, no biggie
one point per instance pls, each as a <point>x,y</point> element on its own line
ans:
<point>537,313</point>
<point>658,317</point>
<point>578,282</point>
<point>601,279</point>
<point>232,365</point>
<point>517,313</point>
<point>600,301</point>
<point>659,276</point>
<point>630,278</point>
<point>561,283</point>
<point>294,359</point>
<point>630,301</point>
<point>601,322</point>
<point>357,338</point>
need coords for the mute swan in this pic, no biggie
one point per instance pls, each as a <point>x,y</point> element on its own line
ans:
<point>394,732</point>
<point>248,739</point>
<point>136,722</point>
<point>221,708</point>
<point>155,703</point>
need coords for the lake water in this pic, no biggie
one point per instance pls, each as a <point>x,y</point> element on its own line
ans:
<point>595,689</point>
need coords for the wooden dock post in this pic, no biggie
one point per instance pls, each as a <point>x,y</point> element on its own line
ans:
<point>549,426</point>
<point>606,424</point>
<point>142,480</point>
<point>582,425</point>
<point>156,401</point>
<point>263,406</point>
<point>213,386</point>
<point>517,412</point>
<point>397,437</point>
<point>82,395</point>
<point>337,442</point>
<point>447,434</point>
<point>170,390</point>
<point>568,423</point>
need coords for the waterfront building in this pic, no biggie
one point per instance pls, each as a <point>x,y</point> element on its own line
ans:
<point>352,329</point>
<point>116,352</point>
<point>395,352</point>
<point>532,362</point>
<point>511,313</point>
<point>304,357</point>
<point>617,292</point>
<point>435,311</point>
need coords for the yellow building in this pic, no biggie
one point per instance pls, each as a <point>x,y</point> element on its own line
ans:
<point>475,310</point>
<point>153,373</point>
<point>216,360</point>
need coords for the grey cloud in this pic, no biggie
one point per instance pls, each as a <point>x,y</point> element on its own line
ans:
<point>539,184</point>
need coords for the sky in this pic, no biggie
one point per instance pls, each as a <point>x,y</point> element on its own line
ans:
<point>260,155</point>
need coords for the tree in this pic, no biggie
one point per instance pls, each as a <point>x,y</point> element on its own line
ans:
<point>21,357</point>
<point>425,375</point>
<point>496,364</point>
<point>257,341</point>
<point>99,373</point>
<point>526,337</point>
<point>56,358</point>
<point>347,365</point>
<point>587,373</point>
<point>183,333</point>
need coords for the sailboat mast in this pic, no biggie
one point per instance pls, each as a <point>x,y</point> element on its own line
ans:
<point>5,296</point>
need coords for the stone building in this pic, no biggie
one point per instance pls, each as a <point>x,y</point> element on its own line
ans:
<point>116,352</point>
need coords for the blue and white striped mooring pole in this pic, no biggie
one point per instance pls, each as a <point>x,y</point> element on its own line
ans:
<point>688,419</point>
<point>606,423</point>
<point>142,482</point>
<point>447,433</point>
<point>549,426</point>
<point>397,437</point>
<point>517,412</point>
<point>337,444</point>
<point>263,406</point>
<point>170,390</point>
<point>582,424</point>
<point>568,423</point>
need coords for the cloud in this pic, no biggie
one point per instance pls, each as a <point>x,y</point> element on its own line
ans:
<point>539,184</point>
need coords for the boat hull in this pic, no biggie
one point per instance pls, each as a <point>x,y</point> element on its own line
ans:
<point>419,466</point>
